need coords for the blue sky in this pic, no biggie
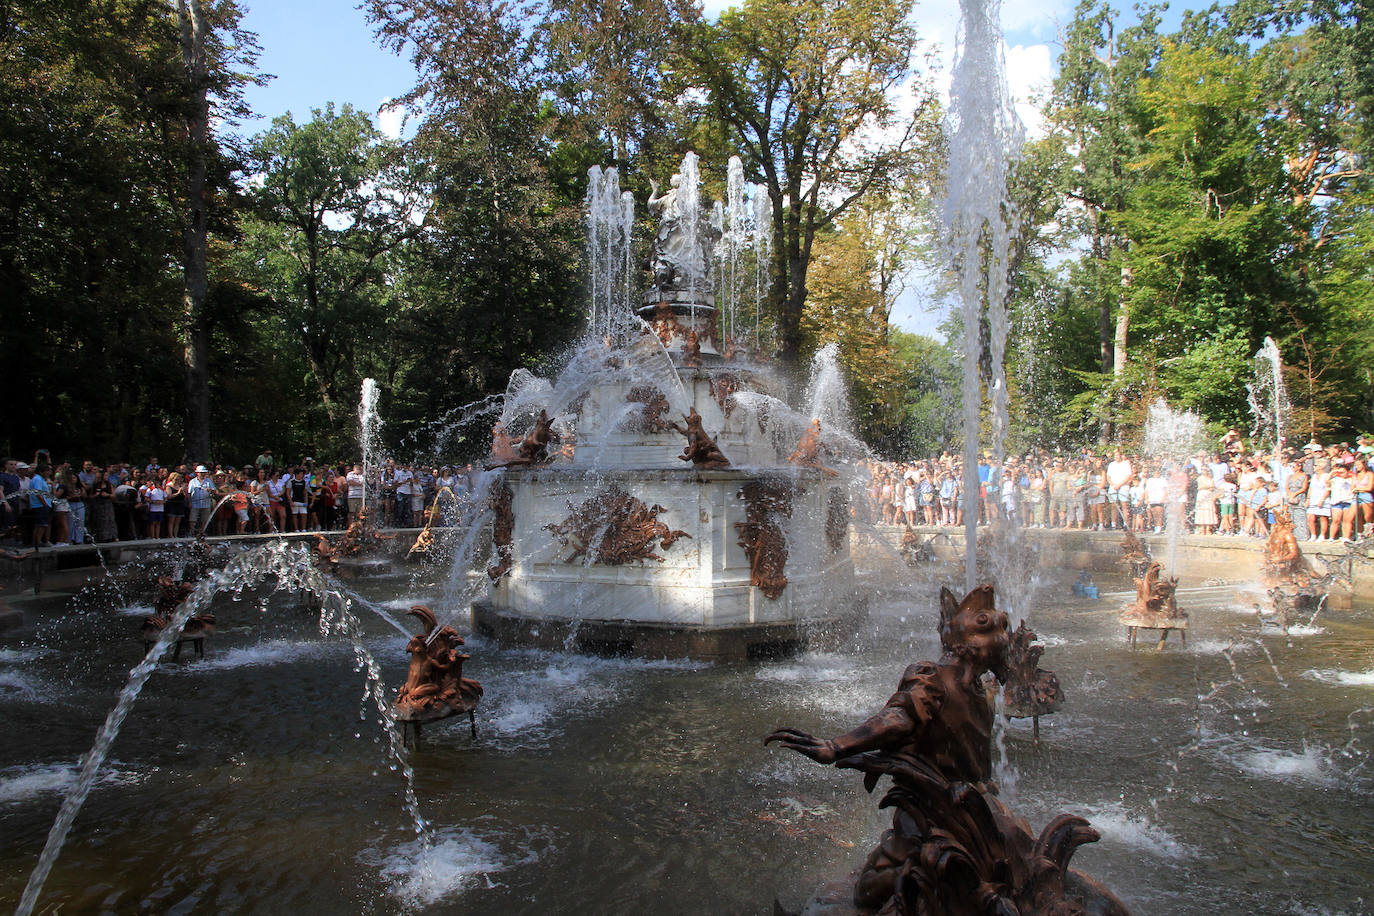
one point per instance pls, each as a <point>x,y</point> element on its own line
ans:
<point>323,51</point>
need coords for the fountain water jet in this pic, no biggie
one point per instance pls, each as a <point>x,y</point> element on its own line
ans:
<point>980,218</point>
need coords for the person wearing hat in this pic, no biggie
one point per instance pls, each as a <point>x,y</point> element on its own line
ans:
<point>200,495</point>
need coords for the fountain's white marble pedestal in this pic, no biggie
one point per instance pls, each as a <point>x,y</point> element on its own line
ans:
<point>699,600</point>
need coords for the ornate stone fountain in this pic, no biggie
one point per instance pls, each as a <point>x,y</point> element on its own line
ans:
<point>616,539</point>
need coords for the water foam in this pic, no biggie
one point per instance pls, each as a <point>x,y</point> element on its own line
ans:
<point>421,874</point>
<point>21,784</point>
<point>271,652</point>
<point>1136,830</point>
<point>1344,678</point>
<point>1312,764</point>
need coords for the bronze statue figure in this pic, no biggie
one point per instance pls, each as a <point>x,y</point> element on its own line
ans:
<point>614,528</point>
<point>701,449</point>
<point>435,687</point>
<point>534,448</point>
<point>1155,607</point>
<point>762,536</point>
<point>1135,553</point>
<point>954,848</point>
<point>359,534</point>
<point>691,351</point>
<point>502,532</point>
<point>1284,564</point>
<point>502,446</point>
<point>808,451</point>
<point>1030,691</point>
<point>171,593</point>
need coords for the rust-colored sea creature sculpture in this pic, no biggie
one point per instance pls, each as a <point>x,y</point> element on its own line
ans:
<point>954,849</point>
<point>653,405</point>
<point>534,448</point>
<point>359,534</point>
<point>502,531</point>
<point>1155,607</point>
<point>767,501</point>
<point>1135,553</point>
<point>808,451</point>
<point>613,528</point>
<point>701,449</point>
<point>435,687</point>
<point>1030,692</point>
<point>502,446</point>
<point>691,351</point>
<point>1283,564</point>
<point>915,549</point>
<point>171,593</point>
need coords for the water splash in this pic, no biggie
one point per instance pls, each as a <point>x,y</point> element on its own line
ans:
<point>610,240</point>
<point>985,135</point>
<point>293,571</point>
<point>1172,437</point>
<point>1268,397</point>
<point>370,431</point>
<point>826,397</point>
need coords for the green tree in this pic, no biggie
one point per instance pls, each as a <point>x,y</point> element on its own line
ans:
<point>332,200</point>
<point>93,161</point>
<point>807,95</point>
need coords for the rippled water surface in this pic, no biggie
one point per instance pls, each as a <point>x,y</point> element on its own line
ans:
<point>1227,777</point>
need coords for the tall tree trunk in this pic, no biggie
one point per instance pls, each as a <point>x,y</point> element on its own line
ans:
<point>1123,324</point>
<point>191,14</point>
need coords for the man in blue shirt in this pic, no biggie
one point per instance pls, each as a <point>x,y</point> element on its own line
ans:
<point>200,493</point>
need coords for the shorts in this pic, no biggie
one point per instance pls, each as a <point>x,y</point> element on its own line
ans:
<point>297,508</point>
<point>41,515</point>
<point>1319,511</point>
<point>1364,499</point>
<point>242,514</point>
<point>1227,509</point>
<point>417,502</point>
<point>1341,506</point>
<point>154,515</point>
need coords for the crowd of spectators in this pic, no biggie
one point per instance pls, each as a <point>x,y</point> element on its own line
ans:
<point>1327,490</point>
<point>49,503</point>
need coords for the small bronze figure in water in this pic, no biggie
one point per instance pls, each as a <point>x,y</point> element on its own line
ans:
<point>954,847</point>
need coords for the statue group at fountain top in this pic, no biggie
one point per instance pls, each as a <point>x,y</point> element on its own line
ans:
<point>685,237</point>
<point>954,847</point>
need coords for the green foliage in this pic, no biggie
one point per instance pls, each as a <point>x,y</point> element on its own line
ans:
<point>795,86</point>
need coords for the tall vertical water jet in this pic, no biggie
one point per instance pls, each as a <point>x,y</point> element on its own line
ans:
<point>762,242</point>
<point>370,430</point>
<point>1268,397</point>
<point>1172,437</point>
<point>610,234</point>
<point>985,134</point>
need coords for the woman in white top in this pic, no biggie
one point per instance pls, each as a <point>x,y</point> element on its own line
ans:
<point>1342,503</point>
<point>1318,506</point>
<point>1156,490</point>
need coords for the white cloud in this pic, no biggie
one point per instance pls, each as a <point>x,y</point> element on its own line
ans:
<point>391,120</point>
<point>1029,73</point>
